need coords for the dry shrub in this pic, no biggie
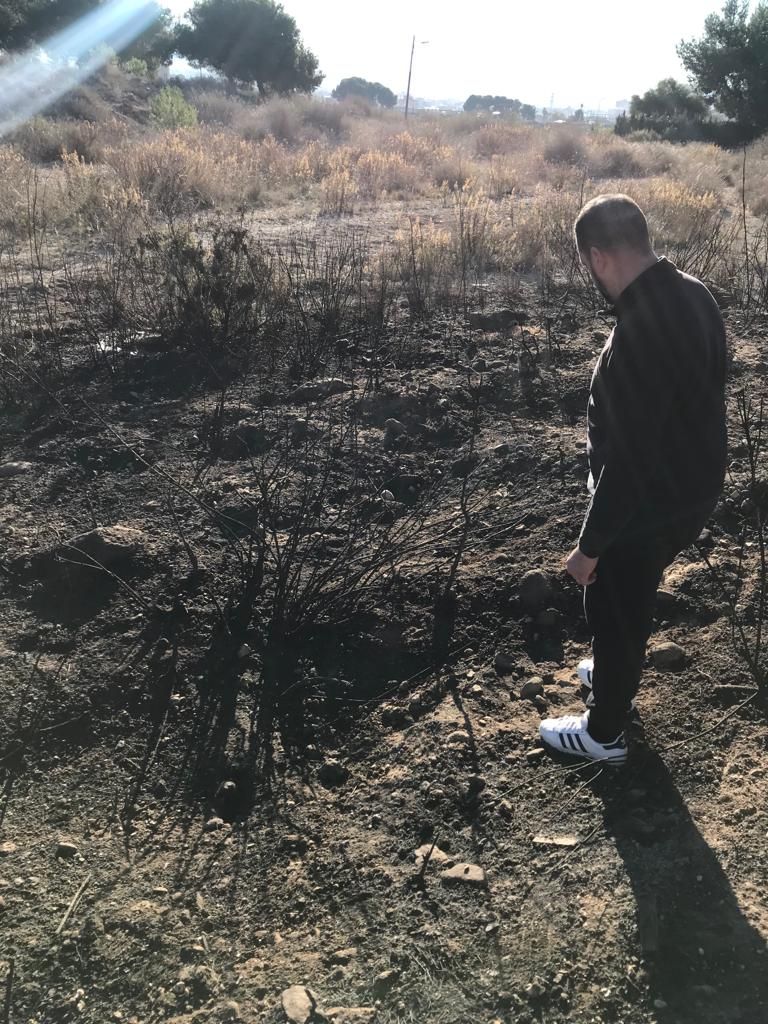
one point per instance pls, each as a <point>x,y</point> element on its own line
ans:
<point>380,173</point>
<point>496,139</point>
<point>188,169</point>
<point>292,121</point>
<point>16,182</point>
<point>424,257</point>
<point>503,177</point>
<point>610,157</point>
<point>419,150</point>
<point>451,171</point>
<point>316,161</point>
<point>216,108</point>
<point>43,141</point>
<point>338,193</point>
<point>564,147</point>
<point>92,198</point>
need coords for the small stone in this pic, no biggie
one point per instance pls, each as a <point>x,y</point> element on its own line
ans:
<point>298,1004</point>
<point>7,848</point>
<point>8,469</point>
<point>66,849</point>
<point>502,450</point>
<point>333,773</point>
<point>533,687</point>
<point>536,989</point>
<point>213,825</point>
<point>504,663</point>
<point>706,540</point>
<point>536,591</point>
<point>295,844</point>
<point>505,809</point>
<point>477,690</point>
<point>351,1014</point>
<point>394,428</point>
<point>470,874</point>
<point>458,736</point>
<point>659,1004</point>
<point>668,656</point>
<point>437,855</point>
<point>320,389</point>
<point>464,466</point>
<point>343,956</point>
<point>384,981</point>
<point>387,496</point>
<point>549,618</point>
<point>535,755</point>
<point>564,840</point>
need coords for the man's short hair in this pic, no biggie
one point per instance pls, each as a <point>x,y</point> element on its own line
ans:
<point>612,222</point>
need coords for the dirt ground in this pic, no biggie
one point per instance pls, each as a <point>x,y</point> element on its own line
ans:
<point>141,883</point>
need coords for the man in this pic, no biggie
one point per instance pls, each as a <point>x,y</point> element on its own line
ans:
<point>656,443</point>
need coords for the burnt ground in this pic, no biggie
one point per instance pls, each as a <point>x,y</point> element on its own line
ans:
<point>202,893</point>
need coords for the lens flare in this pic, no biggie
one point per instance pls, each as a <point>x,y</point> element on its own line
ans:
<point>31,81</point>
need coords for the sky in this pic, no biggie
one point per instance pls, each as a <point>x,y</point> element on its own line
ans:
<point>593,52</point>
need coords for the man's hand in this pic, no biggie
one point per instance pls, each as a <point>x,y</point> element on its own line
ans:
<point>581,568</point>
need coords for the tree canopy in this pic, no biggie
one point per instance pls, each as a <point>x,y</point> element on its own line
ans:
<point>729,63</point>
<point>374,92</point>
<point>672,110</point>
<point>25,22</point>
<point>253,42</point>
<point>157,44</point>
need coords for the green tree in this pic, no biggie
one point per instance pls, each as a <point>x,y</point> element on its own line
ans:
<point>500,104</point>
<point>253,42</point>
<point>672,110</point>
<point>157,44</point>
<point>729,64</point>
<point>528,112</point>
<point>374,92</point>
<point>25,22</point>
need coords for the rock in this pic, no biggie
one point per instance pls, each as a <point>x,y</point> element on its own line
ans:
<point>549,618</point>
<point>505,809</point>
<point>479,366</point>
<point>437,856</point>
<point>107,545</point>
<point>295,844</point>
<point>706,540</point>
<point>383,982</point>
<point>299,430</point>
<point>536,989</point>
<point>351,1014</point>
<point>333,773</point>
<point>298,1004</point>
<point>343,956</point>
<point>66,849</point>
<point>464,466</point>
<point>387,496</point>
<point>394,428</point>
<point>247,439</point>
<point>496,320</point>
<point>665,599</point>
<point>502,450</point>
<point>213,825</point>
<point>7,848</point>
<point>504,663</point>
<point>8,469</point>
<point>476,690</point>
<point>533,687</point>
<point>470,874</point>
<point>535,755</point>
<point>319,389</point>
<point>563,840</point>
<point>668,656</point>
<point>458,737</point>
<point>536,590</point>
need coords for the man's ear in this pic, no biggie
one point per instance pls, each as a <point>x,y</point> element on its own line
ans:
<point>597,259</point>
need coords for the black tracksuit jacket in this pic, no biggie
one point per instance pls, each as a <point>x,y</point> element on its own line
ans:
<point>656,426</point>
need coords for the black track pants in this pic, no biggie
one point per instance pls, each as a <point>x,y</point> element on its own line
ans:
<point>619,608</point>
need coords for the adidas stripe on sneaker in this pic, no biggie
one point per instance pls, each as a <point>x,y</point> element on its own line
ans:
<point>570,735</point>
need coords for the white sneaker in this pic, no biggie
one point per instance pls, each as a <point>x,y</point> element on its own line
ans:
<point>569,735</point>
<point>584,671</point>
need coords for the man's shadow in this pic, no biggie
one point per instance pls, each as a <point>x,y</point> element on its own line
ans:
<point>701,956</point>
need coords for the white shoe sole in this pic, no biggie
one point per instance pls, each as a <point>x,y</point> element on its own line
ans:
<point>569,736</point>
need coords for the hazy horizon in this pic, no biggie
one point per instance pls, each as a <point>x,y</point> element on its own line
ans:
<point>595,54</point>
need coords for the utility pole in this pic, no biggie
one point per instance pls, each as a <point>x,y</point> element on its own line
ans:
<point>410,72</point>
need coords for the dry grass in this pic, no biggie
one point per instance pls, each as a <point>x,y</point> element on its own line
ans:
<point>508,192</point>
